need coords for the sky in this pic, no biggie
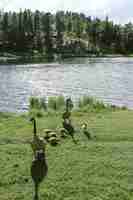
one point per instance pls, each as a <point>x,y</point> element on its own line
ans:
<point>120,11</point>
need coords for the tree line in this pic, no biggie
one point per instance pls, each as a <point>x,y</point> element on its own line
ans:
<point>62,33</point>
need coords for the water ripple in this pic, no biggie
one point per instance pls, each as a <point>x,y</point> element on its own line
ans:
<point>109,79</point>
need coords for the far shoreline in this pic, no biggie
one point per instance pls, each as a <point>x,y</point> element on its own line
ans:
<point>13,59</point>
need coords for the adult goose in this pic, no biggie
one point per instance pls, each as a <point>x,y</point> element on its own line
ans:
<point>39,166</point>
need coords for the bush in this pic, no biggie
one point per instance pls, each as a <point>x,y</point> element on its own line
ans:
<point>36,113</point>
<point>85,100</point>
<point>124,108</point>
<point>43,103</point>
<point>80,103</point>
<point>60,102</point>
<point>52,103</point>
<point>34,103</point>
<point>90,104</point>
<point>85,104</point>
<point>37,103</point>
<point>99,105</point>
<point>37,106</point>
<point>88,100</point>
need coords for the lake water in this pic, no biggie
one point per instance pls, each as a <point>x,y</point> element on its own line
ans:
<point>108,79</point>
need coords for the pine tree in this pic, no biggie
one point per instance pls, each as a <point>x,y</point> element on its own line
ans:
<point>47,30</point>
<point>12,35</point>
<point>59,30</point>
<point>5,29</point>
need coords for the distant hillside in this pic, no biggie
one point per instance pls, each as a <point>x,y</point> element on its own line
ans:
<point>64,33</point>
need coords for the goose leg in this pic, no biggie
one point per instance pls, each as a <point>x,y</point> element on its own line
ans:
<point>88,135</point>
<point>36,192</point>
<point>75,142</point>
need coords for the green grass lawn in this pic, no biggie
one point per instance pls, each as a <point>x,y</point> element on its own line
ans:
<point>100,169</point>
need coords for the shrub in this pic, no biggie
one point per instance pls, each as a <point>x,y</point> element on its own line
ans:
<point>90,104</point>
<point>99,105</point>
<point>60,102</point>
<point>88,100</point>
<point>35,113</point>
<point>80,104</point>
<point>85,104</point>
<point>34,103</point>
<point>124,108</point>
<point>37,107</point>
<point>85,100</point>
<point>52,103</point>
<point>43,103</point>
<point>37,103</point>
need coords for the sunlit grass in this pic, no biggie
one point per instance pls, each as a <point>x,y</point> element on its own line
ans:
<point>99,169</point>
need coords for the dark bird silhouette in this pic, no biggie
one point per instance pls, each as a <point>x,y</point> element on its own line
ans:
<point>70,129</point>
<point>39,166</point>
<point>67,121</point>
<point>38,171</point>
<point>69,106</point>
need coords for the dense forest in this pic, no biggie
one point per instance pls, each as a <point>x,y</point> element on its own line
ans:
<point>63,33</point>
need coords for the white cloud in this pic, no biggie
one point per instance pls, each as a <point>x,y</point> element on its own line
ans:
<point>4,3</point>
<point>118,10</point>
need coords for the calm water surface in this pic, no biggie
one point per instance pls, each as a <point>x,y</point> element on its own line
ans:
<point>108,79</point>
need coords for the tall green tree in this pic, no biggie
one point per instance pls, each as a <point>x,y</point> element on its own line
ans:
<point>13,32</point>
<point>37,32</point>
<point>60,27</point>
<point>48,39</point>
<point>5,30</point>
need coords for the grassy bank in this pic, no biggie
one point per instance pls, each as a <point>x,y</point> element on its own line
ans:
<point>100,169</point>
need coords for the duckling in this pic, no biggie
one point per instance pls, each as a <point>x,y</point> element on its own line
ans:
<point>85,131</point>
